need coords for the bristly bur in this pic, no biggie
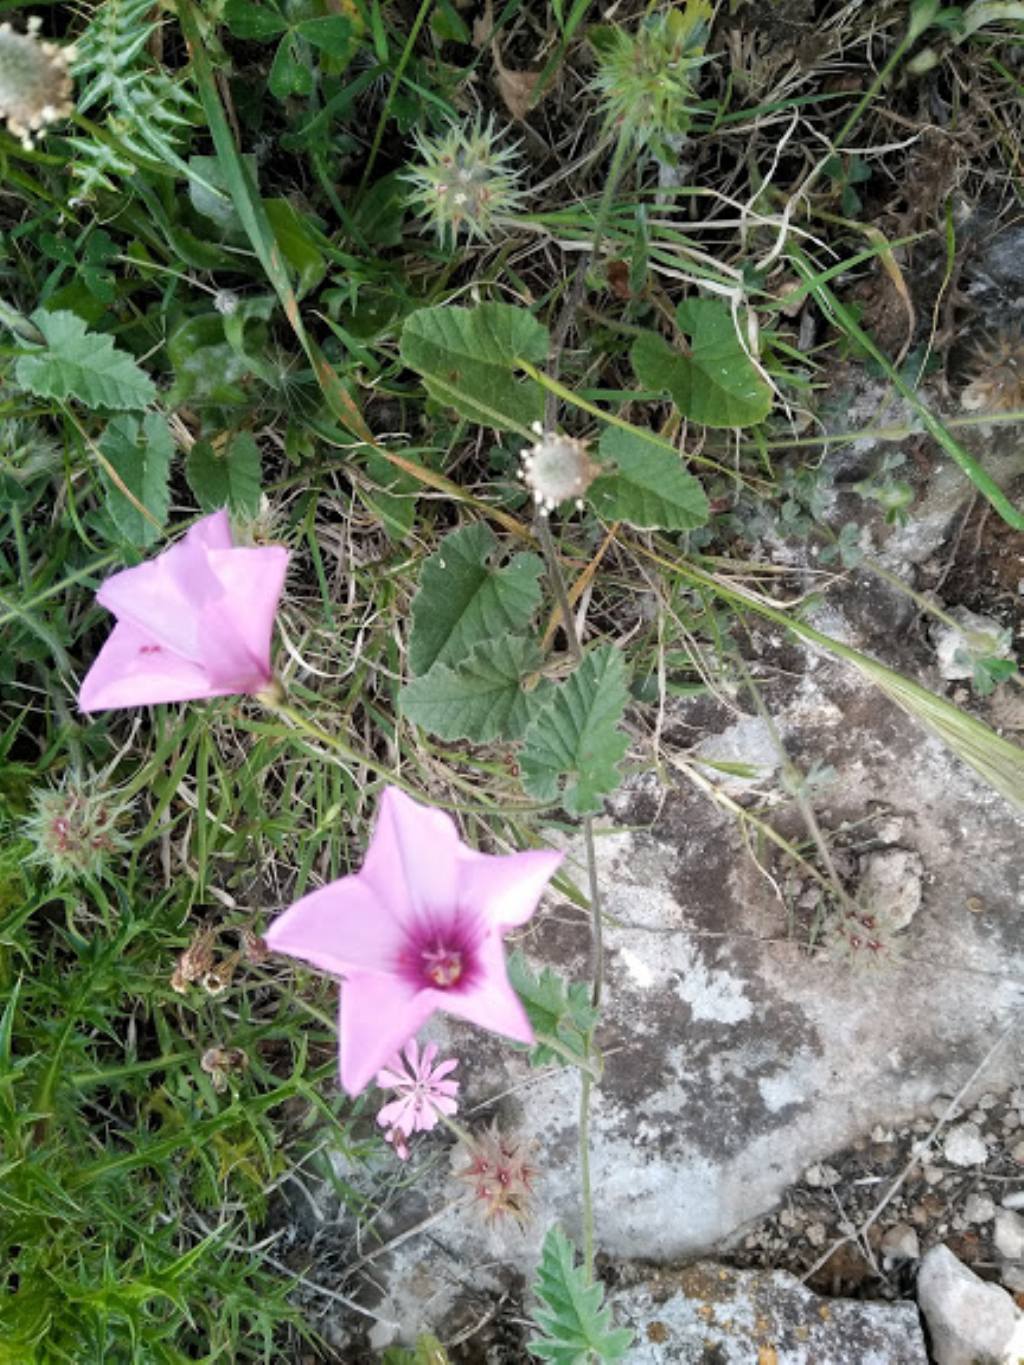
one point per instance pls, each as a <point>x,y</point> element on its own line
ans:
<point>464,181</point>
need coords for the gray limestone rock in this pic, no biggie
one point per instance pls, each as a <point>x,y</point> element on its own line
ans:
<point>890,885</point>
<point>964,1146</point>
<point>708,1312</point>
<point>1009,1235</point>
<point>968,1320</point>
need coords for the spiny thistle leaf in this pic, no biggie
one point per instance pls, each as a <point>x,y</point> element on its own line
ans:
<point>76,363</point>
<point>467,355</point>
<point>716,383</point>
<point>483,699</point>
<point>462,601</point>
<point>650,488</point>
<point>555,1007</point>
<point>576,735</point>
<point>572,1315</point>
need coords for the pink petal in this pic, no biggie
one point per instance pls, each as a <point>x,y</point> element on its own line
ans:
<point>412,1057</point>
<point>506,889</point>
<point>397,1114</point>
<point>212,532</point>
<point>411,861</point>
<point>378,1015</point>
<point>445,1105</point>
<point>150,598</point>
<point>427,1061</point>
<point>442,1070</point>
<point>251,581</point>
<point>388,1078</point>
<point>341,928</point>
<point>492,1003</point>
<point>133,669</point>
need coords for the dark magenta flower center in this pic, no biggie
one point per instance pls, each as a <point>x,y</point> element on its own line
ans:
<point>441,955</point>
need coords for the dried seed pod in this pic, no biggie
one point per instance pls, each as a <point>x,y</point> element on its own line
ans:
<point>196,961</point>
<point>556,469</point>
<point>35,83</point>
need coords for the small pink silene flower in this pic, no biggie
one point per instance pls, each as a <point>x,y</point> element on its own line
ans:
<point>418,928</point>
<point>424,1094</point>
<point>194,622</point>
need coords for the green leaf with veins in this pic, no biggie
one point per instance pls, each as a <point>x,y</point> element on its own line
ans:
<point>463,601</point>
<point>571,1313</point>
<point>576,735</point>
<point>482,699</point>
<point>77,363</point>
<point>649,487</point>
<point>467,359</point>
<point>716,384</point>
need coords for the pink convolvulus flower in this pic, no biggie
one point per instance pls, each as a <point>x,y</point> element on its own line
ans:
<point>423,1093</point>
<point>419,928</point>
<point>194,622</point>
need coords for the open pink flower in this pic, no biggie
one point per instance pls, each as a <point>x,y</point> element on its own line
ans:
<point>423,1092</point>
<point>419,928</point>
<point>194,622</point>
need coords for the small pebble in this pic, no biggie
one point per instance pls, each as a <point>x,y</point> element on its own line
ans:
<point>1012,1277</point>
<point>880,1134</point>
<point>964,1146</point>
<point>932,1175</point>
<point>821,1175</point>
<point>1018,1153</point>
<point>940,1104</point>
<point>979,1208</point>
<point>988,1101</point>
<point>1013,1200</point>
<point>1009,1235</point>
<point>1011,1121</point>
<point>788,1219</point>
<point>900,1243</point>
<point>815,1234</point>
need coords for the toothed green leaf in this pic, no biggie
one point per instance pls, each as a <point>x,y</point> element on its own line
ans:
<point>555,1007</point>
<point>77,363</point>
<point>715,383</point>
<point>649,487</point>
<point>576,736</point>
<point>572,1315</point>
<point>463,601</point>
<point>483,698</point>
<point>141,453</point>
<point>466,357</point>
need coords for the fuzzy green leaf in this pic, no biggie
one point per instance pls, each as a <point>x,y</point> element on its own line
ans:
<point>462,601</point>
<point>76,363</point>
<point>483,698</point>
<point>572,1315</point>
<point>717,384</point>
<point>650,488</point>
<point>467,356</point>
<point>555,1008</point>
<point>576,735</point>
<point>229,476</point>
<point>141,454</point>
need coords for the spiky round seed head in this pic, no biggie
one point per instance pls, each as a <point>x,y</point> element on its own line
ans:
<point>35,84</point>
<point>464,181</point>
<point>646,78</point>
<point>556,469</point>
<point>74,828</point>
<point>500,1174</point>
<point>997,369</point>
<point>862,938</point>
